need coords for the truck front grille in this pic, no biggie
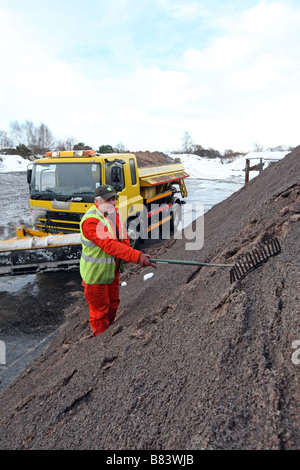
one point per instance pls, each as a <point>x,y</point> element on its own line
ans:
<point>66,222</point>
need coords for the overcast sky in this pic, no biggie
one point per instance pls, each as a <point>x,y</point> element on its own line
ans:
<point>142,72</point>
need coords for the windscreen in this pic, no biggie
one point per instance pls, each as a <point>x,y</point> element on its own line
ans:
<point>65,181</point>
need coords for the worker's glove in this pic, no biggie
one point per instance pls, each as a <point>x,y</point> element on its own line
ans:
<point>144,261</point>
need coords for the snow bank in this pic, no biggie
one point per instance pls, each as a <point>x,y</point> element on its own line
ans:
<point>217,169</point>
<point>267,155</point>
<point>11,163</point>
<point>212,169</point>
<point>40,242</point>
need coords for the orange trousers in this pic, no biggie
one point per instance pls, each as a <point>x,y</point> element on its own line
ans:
<point>103,301</point>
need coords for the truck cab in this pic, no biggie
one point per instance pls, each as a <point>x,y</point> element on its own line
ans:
<point>62,186</point>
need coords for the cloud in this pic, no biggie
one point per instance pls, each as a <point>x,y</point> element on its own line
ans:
<point>249,71</point>
<point>264,73</point>
<point>223,54</point>
<point>265,28</point>
<point>186,10</point>
<point>74,101</point>
<point>220,87</point>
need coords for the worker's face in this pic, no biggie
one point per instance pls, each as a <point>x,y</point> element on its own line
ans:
<point>107,205</point>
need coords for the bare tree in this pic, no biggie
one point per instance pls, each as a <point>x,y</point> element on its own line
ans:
<point>37,139</point>
<point>70,142</point>
<point>5,141</point>
<point>45,138</point>
<point>30,133</point>
<point>17,131</point>
<point>120,147</point>
<point>258,148</point>
<point>187,143</point>
<point>67,144</point>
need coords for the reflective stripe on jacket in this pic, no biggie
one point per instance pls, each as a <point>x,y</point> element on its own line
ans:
<point>96,266</point>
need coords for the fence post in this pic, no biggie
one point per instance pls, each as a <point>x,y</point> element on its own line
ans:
<point>2,353</point>
<point>247,170</point>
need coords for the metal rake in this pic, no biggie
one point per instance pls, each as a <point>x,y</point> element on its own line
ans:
<point>246,263</point>
<point>254,258</point>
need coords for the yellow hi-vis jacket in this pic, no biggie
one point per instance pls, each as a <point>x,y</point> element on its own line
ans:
<point>96,266</point>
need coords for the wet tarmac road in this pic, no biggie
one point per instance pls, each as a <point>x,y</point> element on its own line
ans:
<point>31,306</point>
<point>31,313</point>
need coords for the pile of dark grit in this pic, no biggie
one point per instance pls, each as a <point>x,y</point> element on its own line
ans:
<point>192,361</point>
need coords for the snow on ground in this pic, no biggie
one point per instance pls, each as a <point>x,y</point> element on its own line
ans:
<point>10,163</point>
<point>217,169</point>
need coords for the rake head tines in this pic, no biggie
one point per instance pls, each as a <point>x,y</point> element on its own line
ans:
<point>253,259</point>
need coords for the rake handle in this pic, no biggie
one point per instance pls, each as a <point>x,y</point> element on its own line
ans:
<point>193,263</point>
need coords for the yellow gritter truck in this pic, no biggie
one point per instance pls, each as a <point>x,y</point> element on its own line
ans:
<point>62,186</point>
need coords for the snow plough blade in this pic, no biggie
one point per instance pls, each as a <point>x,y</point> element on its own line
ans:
<point>34,254</point>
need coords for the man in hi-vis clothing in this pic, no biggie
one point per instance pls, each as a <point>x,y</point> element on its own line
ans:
<point>104,242</point>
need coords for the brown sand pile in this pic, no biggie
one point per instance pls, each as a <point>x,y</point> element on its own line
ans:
<point>153,158</point>
<point>191,362</point>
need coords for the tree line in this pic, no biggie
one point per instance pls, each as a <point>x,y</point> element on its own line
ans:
<point>188,147</point>
<point>28,140</point>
